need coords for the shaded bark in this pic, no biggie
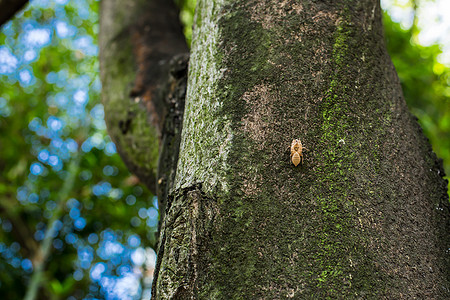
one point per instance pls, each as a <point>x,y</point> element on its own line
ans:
<point>366,215</point>
<point>171,131</point>
<point>8,8</point>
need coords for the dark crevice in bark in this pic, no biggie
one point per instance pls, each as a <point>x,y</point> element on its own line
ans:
<point>9,8</point>
<point>124,125</point>
<point>171,131</point>
<point>156,38</point>
<point>172,93</point>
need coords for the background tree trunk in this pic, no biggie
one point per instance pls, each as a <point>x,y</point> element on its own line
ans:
<point>143,60</point>
<point>367,214</point>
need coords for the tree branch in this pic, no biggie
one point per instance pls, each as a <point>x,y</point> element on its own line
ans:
<point>9,8</point>
<point>44,250</point>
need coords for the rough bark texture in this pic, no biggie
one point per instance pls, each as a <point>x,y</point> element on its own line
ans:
<point>8,8</point>
<point>142,65</point>
<point>367,214</point>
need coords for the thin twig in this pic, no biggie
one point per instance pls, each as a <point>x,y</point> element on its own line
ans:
<point>44,249</point>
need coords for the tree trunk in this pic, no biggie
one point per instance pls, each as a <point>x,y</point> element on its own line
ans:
<point>365,216</point>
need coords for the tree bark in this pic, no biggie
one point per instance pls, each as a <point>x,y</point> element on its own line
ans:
<point>365,216</point>
<point>143,65</point>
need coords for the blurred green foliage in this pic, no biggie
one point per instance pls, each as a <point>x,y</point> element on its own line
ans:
<point>51,118</point>
<point>425,83</point>
<point>187,9</point>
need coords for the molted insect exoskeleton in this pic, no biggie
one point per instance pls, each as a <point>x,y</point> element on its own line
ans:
<point>296,152</point>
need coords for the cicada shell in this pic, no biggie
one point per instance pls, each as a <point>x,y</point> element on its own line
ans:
<point>296,152</point>
<point>296,159</point>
